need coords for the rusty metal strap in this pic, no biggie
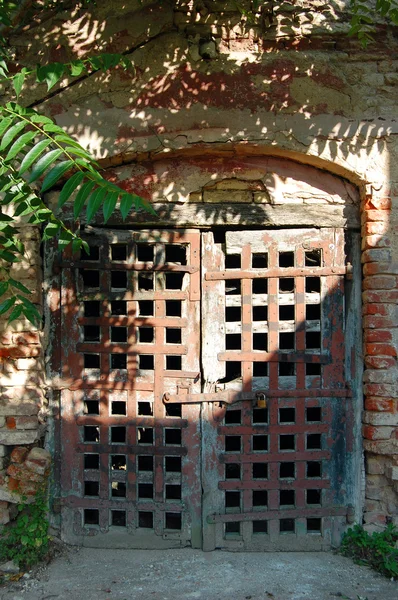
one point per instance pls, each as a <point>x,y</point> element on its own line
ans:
<point>120,266</point>
<point>278,272</point>
<point>298,513</point>
<point>231,396</point>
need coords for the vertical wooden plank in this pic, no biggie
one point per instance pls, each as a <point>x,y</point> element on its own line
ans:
<point>213,311</point>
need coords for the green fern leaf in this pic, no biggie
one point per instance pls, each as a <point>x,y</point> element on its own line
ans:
<point>6,305</point>
<point>4,124</point>
<point>10,135</point>
<point>55,174</point>
<point>18,80</point>
<point>126,204</point>
<point>78,152</point>
<point>69,187</point>
<point>95,202</point>
<point>109,204</point>
<point>19,286</point>
<point>15,314</point>
<point>43,164</point>
<point>81,197</point>
<point>50,230</point>
<point>20,144</point>
<point>51,74</point>
<point>33,155</point>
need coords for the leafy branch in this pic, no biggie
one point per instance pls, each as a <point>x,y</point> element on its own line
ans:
<point>35,155</point>
<point>52,73</point>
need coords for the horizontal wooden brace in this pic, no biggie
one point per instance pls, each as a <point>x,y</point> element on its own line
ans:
<point>231,396</point>
<point>132,349</point>
<point>130,296</point>
<point>274,457</point>
<point>103,383</point>
<point>136,321</point>
<point>297,513</point>
<point>125,266</point>
<point>129,449</point>
<point>123,421</point>
<point>277,272</point>
<point>190,214</point>
<point>258,356</point>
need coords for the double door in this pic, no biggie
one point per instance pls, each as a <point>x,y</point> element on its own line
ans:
<point>205,399</point>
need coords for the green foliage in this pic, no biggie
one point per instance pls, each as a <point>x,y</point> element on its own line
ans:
<point>26,539</point>
<point>35,155</point>
<point>365,14</point>
<point>377,550</point>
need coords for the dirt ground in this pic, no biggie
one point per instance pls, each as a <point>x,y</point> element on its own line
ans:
<point>97,574</point>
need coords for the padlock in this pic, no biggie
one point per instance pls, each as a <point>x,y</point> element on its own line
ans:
<point>261,400</point>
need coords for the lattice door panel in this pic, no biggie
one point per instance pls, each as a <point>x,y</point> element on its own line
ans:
<point>130,333</point>
<point>274,478</point>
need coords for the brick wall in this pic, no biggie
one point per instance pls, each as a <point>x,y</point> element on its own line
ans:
<point>380,322</point>
<point>22,386</point>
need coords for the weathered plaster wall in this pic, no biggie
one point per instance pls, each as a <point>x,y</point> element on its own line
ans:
<point>213,98</point>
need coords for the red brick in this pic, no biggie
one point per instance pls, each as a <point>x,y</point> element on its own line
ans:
<point>22,473</point>
<point>380,282</point>
<point>377,335</point>
<point>380,362</point>
<point>25,422</point>
<point>19,454</point>
<point>378,203</point>
<point>375,322</point>
<point>390,296</point>
<point>373,215</point>
<point>5,339</point>
<point>38,461</point>
<point>21,487</point>
<point>373,308</point>
<point>369,432</point>
<point>376,241</point>
<point>376,255</point>
<point>379,404</point>
<point>374,227</point>
<point>10,423</point>
<point>19,351</point>
<point>380,349</point>
<point>26,338</point>
<point>379,389</point>
<point>380,268</point>
<point>13,485</point>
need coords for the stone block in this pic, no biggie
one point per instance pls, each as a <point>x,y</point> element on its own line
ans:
<point>375,466</point>
<point>262,197</point>
<point>19,454</point>
<point>24,474</point>
<point>21,422</point>
<point>220,196</point>
<point>376,418</point>
<point>8,409</point>
<point>4,515</point>
<point>195,197</point>
<point>13,437</point>
<point>8,496</point>
<point>38,460</point>
<point>3,451</point>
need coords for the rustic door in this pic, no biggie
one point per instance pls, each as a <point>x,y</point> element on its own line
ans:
<point>207,414</point>
<point>274,450</point>
<point>130,468</point>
